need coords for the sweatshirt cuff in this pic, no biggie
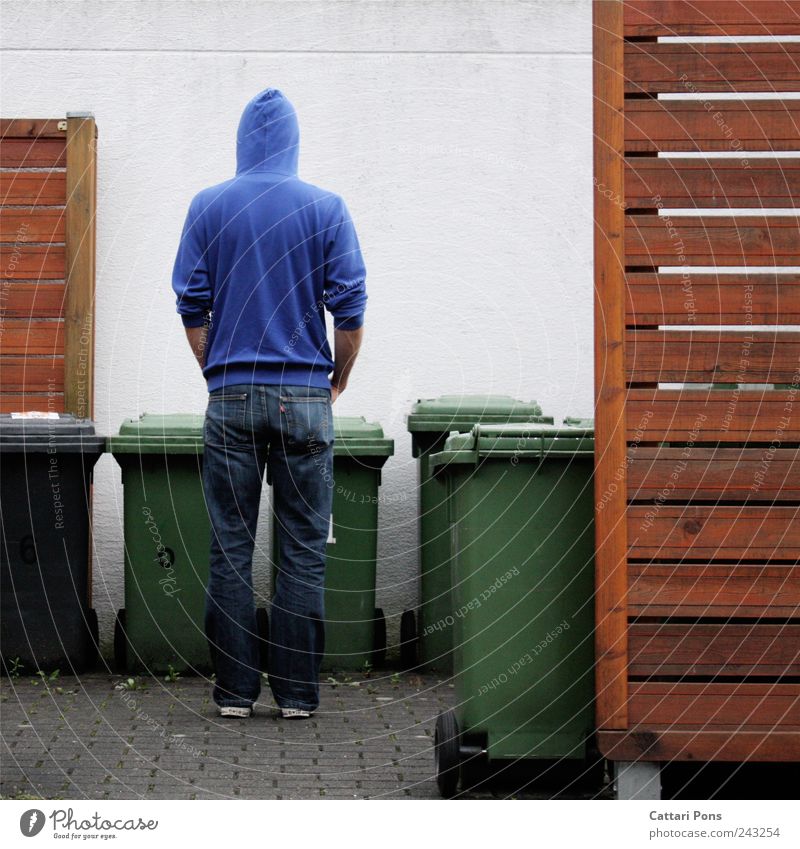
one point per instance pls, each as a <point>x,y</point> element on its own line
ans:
<point>193,320</point>
<point>349,322</point>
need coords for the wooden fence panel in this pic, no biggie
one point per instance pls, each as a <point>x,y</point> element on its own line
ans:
<point>697,384</point>
<point>47,248</point>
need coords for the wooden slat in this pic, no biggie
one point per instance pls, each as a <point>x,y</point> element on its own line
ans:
<point>15,403</point>
<point>34,300</point>
<point>699,67</point>
<point>45,262</point>
<point>609,332</point>
<point>33,187</point>
<point>26,262</point>
<point>32,374</point>
<point>80,246</point>
<point>32,337</point>
<point>670,705</point>
<point>713,299</point>
<point>701,356</point>
<point>714,533</point>
<point>712,240</point>
<point>735,474</point>
<point>32,224</point>
<point>690,590</point>
<point>720,125</point>
<point>724,415</point>
<point>700,649</point>
<point>700,745</point>
<point>32,128</point>
<point>32,153</point>
<point>712,183</point>
<point>711,17</point>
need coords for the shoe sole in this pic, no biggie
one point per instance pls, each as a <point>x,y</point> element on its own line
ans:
<point>295,713</point>
<point>235,712</point>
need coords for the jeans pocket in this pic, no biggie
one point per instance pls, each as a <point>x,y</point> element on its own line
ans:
<point>307,420</point>
<point>226,417</point>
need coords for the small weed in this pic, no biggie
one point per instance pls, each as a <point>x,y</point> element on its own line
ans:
<point>48,678</point>
<point>132,684</point>
<point>395,679</point>
<point>15,668</point>
<point>172,675</point>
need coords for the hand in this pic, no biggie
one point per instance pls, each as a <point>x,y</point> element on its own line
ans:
<point>336,391</point>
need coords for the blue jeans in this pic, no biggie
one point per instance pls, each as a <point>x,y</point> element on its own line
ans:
<point>288,429</point>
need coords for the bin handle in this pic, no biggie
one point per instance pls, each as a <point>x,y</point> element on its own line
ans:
<point>477,433</point>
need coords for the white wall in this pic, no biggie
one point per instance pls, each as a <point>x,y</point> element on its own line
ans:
<point>459,134</point>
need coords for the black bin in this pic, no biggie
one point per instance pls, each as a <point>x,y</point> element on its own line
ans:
<point>46,468</point>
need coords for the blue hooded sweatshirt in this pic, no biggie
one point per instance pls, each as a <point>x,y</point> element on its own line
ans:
<point>263,255</point>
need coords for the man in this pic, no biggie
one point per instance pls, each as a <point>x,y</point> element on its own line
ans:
<point>262,256</point>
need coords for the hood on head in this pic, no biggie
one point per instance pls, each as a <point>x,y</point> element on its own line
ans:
<point>268,138</point>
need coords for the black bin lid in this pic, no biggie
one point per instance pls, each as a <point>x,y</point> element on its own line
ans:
<point>41,432</point>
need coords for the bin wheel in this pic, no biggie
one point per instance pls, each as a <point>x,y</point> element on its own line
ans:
<point>262,629</point>
<point>408,640</point>
<point>446,752</point>
<point>379,639</point>
<point>120,642</point>
<point>93,637</point>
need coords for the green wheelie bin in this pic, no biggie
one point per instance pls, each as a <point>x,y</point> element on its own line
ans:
<point>429,641</point>
<point>167,539</point>
<point>355,629</point>
<point>522,510</point>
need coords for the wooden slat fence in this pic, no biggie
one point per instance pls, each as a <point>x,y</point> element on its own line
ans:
<point>47,263</point>
<point>697,381</point>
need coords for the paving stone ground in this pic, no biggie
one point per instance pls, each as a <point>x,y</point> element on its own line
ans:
<point>371,739</point>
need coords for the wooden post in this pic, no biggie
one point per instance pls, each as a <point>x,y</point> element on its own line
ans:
<point>611,641</point>
<point>81,180</point>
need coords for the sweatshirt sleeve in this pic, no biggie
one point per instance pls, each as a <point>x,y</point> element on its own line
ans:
<point>345,288</point>
<point>190,277</point>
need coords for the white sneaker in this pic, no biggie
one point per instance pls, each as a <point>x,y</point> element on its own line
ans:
<point>230,712</point>
<point>295,713</point>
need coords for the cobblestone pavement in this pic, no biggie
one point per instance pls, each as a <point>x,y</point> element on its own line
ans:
<point>372,738</point>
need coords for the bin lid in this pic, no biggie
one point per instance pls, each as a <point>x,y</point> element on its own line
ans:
<point>460,412</point>
<point>156,433</point>
<point>356,437</point>
<point>535,441</point>
<point>182,433</point>
<point>47,431</point>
